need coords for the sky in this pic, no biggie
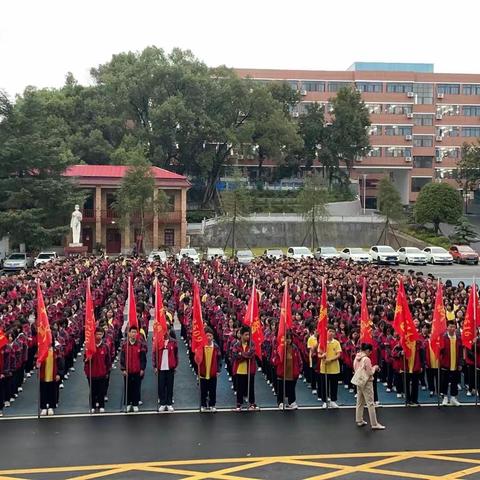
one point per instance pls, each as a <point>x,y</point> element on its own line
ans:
<point>42,40</point>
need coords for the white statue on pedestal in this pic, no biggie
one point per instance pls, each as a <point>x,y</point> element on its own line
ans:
<point>76,226</point>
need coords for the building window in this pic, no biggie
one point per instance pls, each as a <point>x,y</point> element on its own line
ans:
<point>471,132</point>
<point>375,152</point>
<point>169,237</point>
<point>336,86</point>
<point>396,130</point>
<point>471,111</point>
<point>398,152</point>
<point>419,182</point>
<point>398,109</point>
<point>313,86</point>
<point>375,130</point>
<point>422,141</point>
<point>399,87</point>
<point>369,87</point>
<point>470,89</point>
<point>448,131</point>
<point>423,93</point>
<point>294,84</point>
<point>445,173</point>
<point>447,152</point>
<point>423,120</point>
<point>423,162</point>
<point>374,108</point>
<point>448,110</point>
<point>449,88</point>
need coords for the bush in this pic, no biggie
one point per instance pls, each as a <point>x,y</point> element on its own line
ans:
<point>427,236</point>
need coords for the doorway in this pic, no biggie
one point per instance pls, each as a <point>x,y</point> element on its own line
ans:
<point>114,240</point>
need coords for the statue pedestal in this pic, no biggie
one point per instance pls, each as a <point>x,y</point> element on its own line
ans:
<point>75,249</point>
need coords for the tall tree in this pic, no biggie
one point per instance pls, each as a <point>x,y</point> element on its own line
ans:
<point>438,203</point>
<point>389,201</point>
<point>311,128</point>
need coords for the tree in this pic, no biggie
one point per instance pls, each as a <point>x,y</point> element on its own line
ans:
<point>311,128</point>
<point>312,201</point>
<point>464,232</point>
<point>389,201</point>
<point>467,172</point>
<point>438,203</point>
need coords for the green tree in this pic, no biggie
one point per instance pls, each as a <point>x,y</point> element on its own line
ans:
<point>311,128</point>
<point>467,172</point>
<point>389,201</point>
<point>464,232</point>
<point>438,203</point>
<point>311,202</point>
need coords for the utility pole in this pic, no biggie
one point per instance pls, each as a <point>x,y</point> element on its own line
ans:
<point>233,222</point>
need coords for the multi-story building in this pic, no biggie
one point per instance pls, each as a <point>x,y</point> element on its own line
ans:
<point>101,223</point>
<point>419,119</point>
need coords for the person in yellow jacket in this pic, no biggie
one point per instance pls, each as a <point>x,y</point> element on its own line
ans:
<point>329,370</point>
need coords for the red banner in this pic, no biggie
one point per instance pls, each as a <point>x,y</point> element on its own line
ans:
<point>252,320</point>
<point>44,334</point>
<point>90,346</point>
<point>160,320</point>
<point>132,306</point>
<point>322,326</point>
<point>439,322</point>
<point>285,321</point>
<point>199,339</point>
<point>469,328</point>
<point>365,323</point>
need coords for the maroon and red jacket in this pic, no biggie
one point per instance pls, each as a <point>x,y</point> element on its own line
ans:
<point>58,366</point>
<point>99,365</point>
<point>4,361</point>
<point>216,364</point>
<point>172,349</point>
<point>470,354</point>
<point>240,354</point>
<point>296,359</point>
<point>419,361</point>
<point>136,357</point>
<point>445,352</point>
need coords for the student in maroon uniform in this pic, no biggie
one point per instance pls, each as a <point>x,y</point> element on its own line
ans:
<point>133,361</point>
<point>97,369</point>
<point>4,357</point>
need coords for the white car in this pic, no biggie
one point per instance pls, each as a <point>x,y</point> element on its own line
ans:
<point>276,254</point>
<point>327,253</point>
<point>437,255</point>
<point>155,255</point>
<point>215,252</point>
<point>358,255</point>
<point>245,256</point>
<point>384,254</point>
<point>411,256</point>
<point>17,261</point>
<point>44,257</point>
<point>299,253</point>
<point>190,253</point>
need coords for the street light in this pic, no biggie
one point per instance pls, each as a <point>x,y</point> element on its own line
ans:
<point>364,191</point>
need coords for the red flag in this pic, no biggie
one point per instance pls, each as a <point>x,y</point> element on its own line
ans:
<point>3,339</point>
<point>44,334</point>
<point>469,327</point>
<point>252,320</point>
<point>199,338</point>
<point>285,321</point>
<point>160,321</point>
<point>90,346</point>
<point>322,326</point>
<point>439,322</point>
<point>365,324</point>
<point>403,322</point>
<point>132,306</point>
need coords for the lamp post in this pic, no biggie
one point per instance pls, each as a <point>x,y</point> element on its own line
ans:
<point>364,191</point>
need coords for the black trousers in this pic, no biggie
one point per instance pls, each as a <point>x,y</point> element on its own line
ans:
<point>2,393</point>
<point>98,387</point>
<point>432,379</point>
<point>165,386</point>
<point>330,383</point>
<point>290,395</point>
<point>398,380</point>
<point>132,384</point>
<point>208,391</point>
<point>412,387</point>
<point>347,376</point>
<point>48,395</point>
<point>311,377</point>
<point>451,377</point>
<point>242,388</point>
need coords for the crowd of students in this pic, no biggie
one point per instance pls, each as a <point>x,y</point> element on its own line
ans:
<point>225,288</point>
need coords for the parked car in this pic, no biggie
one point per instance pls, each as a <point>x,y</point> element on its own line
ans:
<point>384,254</point>
<point>244,256</point>
<point>412,256</point>
<point>299,253</point>
<point>464,254</point>
<point>157,255</point>
<point>215,252</point>
<point>17,261</point>
<point>44,257</point>
<point>273,253</point>
<point>358,255</point>
<point>190,253</point>
<point>438,255</point>
<point>326,253</point>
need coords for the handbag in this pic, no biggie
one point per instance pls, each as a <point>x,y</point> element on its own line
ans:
<point>360,377</point>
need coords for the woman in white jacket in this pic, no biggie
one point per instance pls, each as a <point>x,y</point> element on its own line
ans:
<point>365,392</point>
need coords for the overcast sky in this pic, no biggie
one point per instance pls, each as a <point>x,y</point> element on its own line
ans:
<point>41,40</point>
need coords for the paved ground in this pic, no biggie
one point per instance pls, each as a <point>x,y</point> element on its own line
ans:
<point>422,443</point>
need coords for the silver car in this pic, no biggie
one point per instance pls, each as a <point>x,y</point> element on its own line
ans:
<point>17,261</point>
<point>244,256</point>
<point>326,253</point>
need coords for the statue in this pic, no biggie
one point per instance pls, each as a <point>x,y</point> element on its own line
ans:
<point>76,226</point>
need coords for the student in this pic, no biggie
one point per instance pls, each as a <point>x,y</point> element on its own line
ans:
<point>209,370</point>
<point>450,364</point>
<point>51,370</point>
<point>312,345</point>
<point>165,362</point>
<point>133,361</point>
<point>329,370</point>
<point>97,369</point>
<point>4,358</point>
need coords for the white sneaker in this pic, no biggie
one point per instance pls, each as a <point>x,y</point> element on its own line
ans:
<point>388,390</point>
<point>229,379</point>
<point>345,386</point>
<point>203,409</point>
<point>333,405</point>
<point>455,402</point>
<point>72,369</point>
<point>92,410</point>
<point>314,392</point>
<point>399,395</point>
<point>259,369</point>
<point>377,403</point>
<point>29,375</point>
<point>61,386</point>
<point>43,412</point>
<point>129,408</point>
<point>20,389</point>
<point>378,426</point>
<point>135,409</point>
<point>102,410</point>
<point>6,404</point>
<point>170,408</point>
<point>384,384</point>
<point>50,412</point>
<point>213,409</point>
<point>469,393</point>
<point>351,390</point>
<point>445,401</point>
<point>140,403</point>
<point>293,406</point>
<point>324,405</point>
<point>280,406</point>
<point>161,408</point>
<point>424,387</point>
<point>105,399</point>
<point>1,413</point>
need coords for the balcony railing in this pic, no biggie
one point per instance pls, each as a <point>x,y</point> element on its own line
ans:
<point>110,215</point>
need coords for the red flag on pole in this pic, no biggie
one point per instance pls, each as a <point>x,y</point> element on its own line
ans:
<point>44,334</point>
<point>160,321</point>
<point>322,326</point>
<point>90,346</point>
<point>252,320</point>
<point>439,322</point>
<point>199,338</point>
<point>132,306</point>
<point>285,321</point>
<point>403,322</point>
<point>3,339</point>
<point>365,324</point>
<point>469,327</point>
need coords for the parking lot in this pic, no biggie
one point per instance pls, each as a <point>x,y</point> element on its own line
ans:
<point>454,272</point>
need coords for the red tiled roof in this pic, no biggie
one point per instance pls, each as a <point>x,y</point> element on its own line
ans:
<point>116,171</point>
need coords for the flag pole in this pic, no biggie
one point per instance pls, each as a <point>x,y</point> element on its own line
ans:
<point>405,377</point>
<point>250,341</point>
<point>284,358</point>
<point>39,369</point>
<point>90,382</point>
<point>475,304</point>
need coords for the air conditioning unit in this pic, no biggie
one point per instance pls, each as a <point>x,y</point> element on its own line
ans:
<point>440,95</point>
<point>408,159</point>
<point>408,137</point>
<point>438,138</point>
<point>303,93</point>
<point>295,114</point>
<point>410,94</point>
<point>439,159</point>
<point>409,115</point>
<point>438,116</point>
